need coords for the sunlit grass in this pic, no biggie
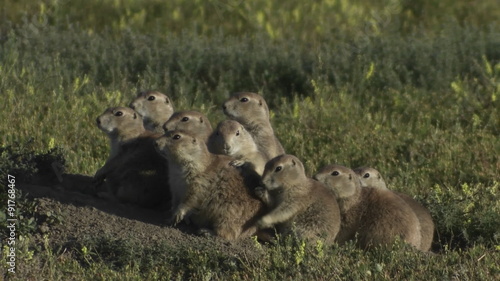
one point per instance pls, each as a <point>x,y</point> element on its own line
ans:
<point>383,84</point>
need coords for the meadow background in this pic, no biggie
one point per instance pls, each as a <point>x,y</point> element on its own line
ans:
<point>409,87</point>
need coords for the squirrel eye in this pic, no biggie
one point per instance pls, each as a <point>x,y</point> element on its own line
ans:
<point>151,98</point>
<point>238,133</point>
<point>176,137</point>
<point>279,168</point>
<point>118,113</point>
<point>335,173</point>
<point>185,119</point>
<point>244,99</point>
<point>367,175</point>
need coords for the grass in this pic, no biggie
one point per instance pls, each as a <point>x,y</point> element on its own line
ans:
<point>113,259</point>
<point>412,89</point>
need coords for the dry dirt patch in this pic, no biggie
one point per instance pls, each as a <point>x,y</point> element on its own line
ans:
<point>84,216</point>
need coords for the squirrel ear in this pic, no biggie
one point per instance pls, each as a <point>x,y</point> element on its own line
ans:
<point>293,162</point>
<point>350,177</point>
<point>260,102</point>
<point>135,115</point>
<point>194,140</point>
<point>201,119</point>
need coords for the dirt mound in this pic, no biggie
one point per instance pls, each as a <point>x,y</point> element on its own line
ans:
<point>82,214</point>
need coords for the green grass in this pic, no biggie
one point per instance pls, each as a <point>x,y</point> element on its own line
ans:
<point>309,21</point>
<point>409,87</point>
<point>105,258</point>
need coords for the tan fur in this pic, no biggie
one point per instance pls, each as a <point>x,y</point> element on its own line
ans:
<point>134,172</point>
<point>371,177</point>
<point>231,138</point>
<point>192,122</point>
<point>155,109</point>
<point>297,203</point>
<point>120,125</point>
<point>217,196</point>
<point>377,216</point>
<point>251,111</point>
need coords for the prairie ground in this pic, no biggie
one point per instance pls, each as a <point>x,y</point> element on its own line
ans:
<point>411,88</point>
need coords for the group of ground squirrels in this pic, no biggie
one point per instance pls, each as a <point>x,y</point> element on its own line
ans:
<point>236,181</point>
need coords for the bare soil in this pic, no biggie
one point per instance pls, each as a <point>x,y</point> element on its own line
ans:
<point>83,214</point>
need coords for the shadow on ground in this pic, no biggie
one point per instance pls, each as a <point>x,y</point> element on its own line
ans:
<point>83,215</point>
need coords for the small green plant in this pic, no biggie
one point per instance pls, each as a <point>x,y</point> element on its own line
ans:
<point>461,219</point>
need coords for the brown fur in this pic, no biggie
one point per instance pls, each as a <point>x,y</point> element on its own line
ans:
<point>371,177</point>
<point>297,203</point>
<point>192,122</point>
<point>155,109</point>
<point>134,172</point>
<point>251,111</point>
<point>377,216</point>
<point>217,196</point>
<point>231,138</point>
